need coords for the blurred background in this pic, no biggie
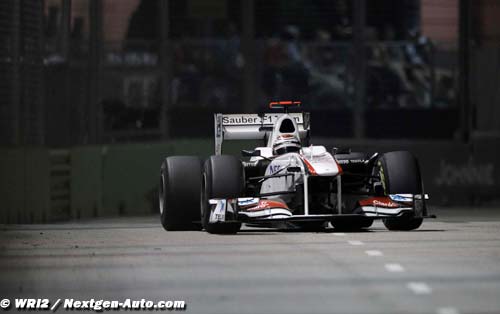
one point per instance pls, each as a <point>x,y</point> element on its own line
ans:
<point>95,93</point>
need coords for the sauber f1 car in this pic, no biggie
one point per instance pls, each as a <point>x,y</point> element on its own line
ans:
<point>288,182</point>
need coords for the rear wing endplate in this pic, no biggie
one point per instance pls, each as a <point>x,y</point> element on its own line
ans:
<point>253,126</point>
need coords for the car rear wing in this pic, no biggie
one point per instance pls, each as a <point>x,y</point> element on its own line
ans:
<point>253,126</point>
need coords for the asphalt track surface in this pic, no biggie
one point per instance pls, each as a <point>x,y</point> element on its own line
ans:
<point>451,265</point>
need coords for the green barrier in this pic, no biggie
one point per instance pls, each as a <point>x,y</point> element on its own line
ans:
<point>130,173</point>
<point>37,188</point>
<point>86,181</point>
<point>122,179</point>
<point>11,184</point>
<point>108,180</point>
<point>24,185</point>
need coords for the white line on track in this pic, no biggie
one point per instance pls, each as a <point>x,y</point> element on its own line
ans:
<point>374,253</point>
<point>394,268</point>
<point>355,242</point>
<point>447,310</point>
<point>419,287</point>
<point>339,234</point>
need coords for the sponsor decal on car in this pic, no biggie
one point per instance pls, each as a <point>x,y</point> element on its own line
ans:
<point>219,212</point>
<point>247,202</point>
<point>379,202</point>
<point>254,119</point>
<point>266,204</point>
<point>274,168</point>
<point>241,120</point>
<point>350,161</point>
<point>401,198</point>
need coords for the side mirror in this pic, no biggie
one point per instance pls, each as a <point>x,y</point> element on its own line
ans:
<point>250,153</point>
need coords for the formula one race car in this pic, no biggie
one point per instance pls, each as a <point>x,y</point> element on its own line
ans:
<point>288,182</point>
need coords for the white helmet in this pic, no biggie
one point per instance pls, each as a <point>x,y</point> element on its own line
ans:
<point>286,143</point>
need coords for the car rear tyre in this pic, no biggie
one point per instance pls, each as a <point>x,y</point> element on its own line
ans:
<point>400,174</point>
<point>222,178</point>
<point>180,183</point>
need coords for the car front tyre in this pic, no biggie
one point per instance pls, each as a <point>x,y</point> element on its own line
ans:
<point>222,178</point>
<point>400,174</point>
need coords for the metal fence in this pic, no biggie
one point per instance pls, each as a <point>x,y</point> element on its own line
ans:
<point>21,72</point>
<point>206,76</point>
<point>66,90</point>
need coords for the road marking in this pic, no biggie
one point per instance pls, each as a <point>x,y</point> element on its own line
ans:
<point>374,253</point>
<point>419,287</point>
<point>447,310</point>
<point>394,268</point>
<point>340,234</point>
<point>355,242</point>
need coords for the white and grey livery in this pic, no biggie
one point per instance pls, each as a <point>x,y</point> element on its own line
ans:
<point>287,182</point>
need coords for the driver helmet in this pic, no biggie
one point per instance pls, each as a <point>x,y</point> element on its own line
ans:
<point>286,143</point>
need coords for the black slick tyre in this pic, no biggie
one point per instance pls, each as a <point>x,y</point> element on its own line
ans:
<point>223,178</point>
<point>180,183</point>
<point>400,174</point>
